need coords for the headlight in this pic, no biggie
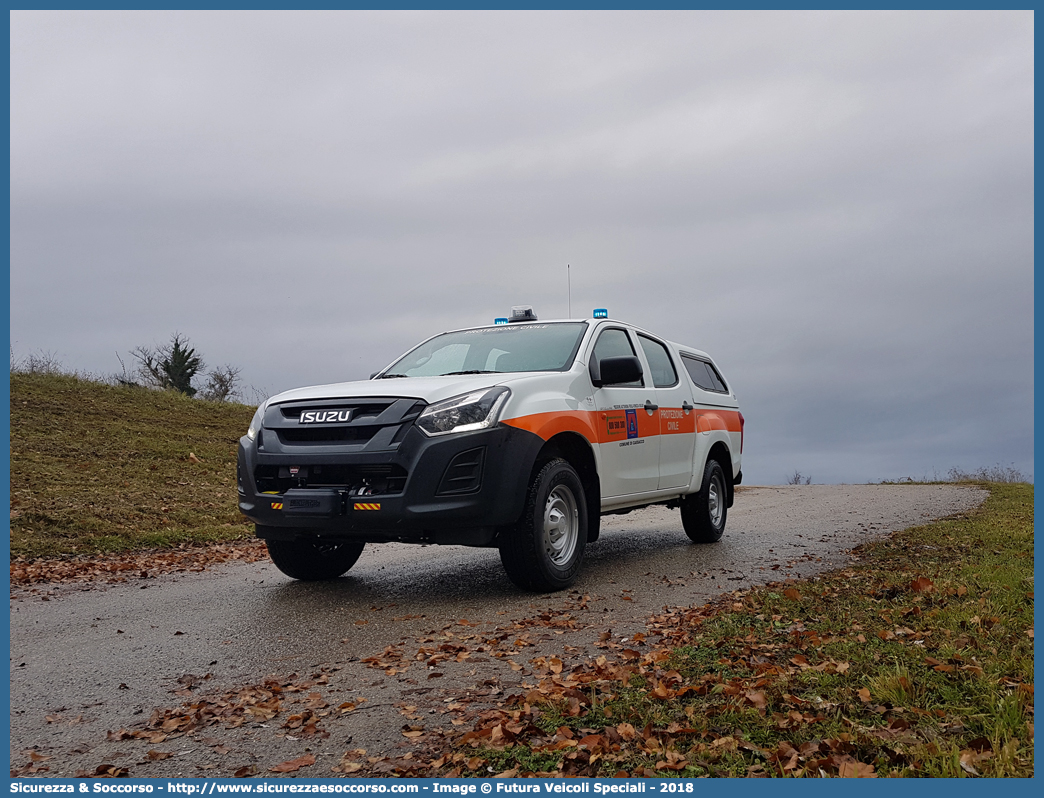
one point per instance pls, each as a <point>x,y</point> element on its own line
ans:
<point>255,422</point>
<point>477,410</point>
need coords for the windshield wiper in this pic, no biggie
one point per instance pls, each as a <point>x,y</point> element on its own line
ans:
<point>470,371</point>
<point>389,376</point>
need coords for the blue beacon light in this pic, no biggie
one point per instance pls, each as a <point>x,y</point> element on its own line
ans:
<point>500,321</point>
<point>601,313</point>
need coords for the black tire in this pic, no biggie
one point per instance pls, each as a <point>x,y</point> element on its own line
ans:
<point>703,513</point>
<point>543,551</point>
<point>314,561</point>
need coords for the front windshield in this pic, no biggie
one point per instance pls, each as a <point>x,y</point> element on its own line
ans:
<point>503,349</point>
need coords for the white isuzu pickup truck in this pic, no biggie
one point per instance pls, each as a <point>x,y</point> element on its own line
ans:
<point>518,435</point>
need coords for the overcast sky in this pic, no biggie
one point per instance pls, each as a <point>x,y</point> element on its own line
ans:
<point>838,207</point>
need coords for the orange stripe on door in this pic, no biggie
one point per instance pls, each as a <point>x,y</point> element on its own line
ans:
<point>606,426</point>
<point>675,421</point>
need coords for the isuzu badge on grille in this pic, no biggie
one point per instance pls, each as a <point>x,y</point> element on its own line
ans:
<point>325,416</point>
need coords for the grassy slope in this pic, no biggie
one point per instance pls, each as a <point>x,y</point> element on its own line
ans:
<point>96,468</point>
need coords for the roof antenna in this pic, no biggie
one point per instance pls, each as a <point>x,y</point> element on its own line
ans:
<point>569,294</point>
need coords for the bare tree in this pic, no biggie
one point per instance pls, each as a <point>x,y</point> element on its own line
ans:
<point>255,395</point>
<point>799,479</point>
<point>222,385</point>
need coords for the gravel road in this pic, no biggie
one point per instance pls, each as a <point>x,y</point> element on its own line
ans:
<point>90,660</point>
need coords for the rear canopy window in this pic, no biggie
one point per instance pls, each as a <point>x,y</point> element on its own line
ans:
<point>704,375</point>
<point>503,349</point>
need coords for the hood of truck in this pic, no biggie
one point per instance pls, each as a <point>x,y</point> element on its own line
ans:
<point>427,389</point>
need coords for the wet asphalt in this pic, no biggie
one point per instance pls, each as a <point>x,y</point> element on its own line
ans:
<point>87,660</point>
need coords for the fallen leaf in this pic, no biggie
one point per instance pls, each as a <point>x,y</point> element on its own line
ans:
<point>856,770</point>
<point>293,765</point>
<point>627,731</point>
<point>674,761</point>
<point>970,758</point>
<point>756,698</point>
<point>104,772</point>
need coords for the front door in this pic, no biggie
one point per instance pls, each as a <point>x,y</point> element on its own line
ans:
<point>628,433</point>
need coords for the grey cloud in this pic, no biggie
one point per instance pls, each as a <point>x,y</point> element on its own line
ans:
<point>837,205</point>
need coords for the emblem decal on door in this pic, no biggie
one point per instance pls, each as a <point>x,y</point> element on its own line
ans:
<point>632,423</point>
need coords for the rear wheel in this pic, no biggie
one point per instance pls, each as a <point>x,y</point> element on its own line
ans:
<point>703,513</point>
<point>544,550</point>
<point>314,561</point>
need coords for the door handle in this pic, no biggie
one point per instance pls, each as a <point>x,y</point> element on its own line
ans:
<point>650,408</point>
<point>686,407</point>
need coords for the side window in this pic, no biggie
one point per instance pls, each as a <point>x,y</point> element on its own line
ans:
<point>615,343</point>
<point>663,373</point>
<point>704,375</point>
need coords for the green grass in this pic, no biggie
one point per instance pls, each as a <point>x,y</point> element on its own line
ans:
<point>97,468</point>
<point>918,661</point>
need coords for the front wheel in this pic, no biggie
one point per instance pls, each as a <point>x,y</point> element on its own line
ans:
<point>543,551</point>
<point>314,561</point>
<point>703,513</point>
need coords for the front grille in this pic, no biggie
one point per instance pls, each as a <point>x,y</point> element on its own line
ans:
<point>325,435</point>
<point>367,418</point>
<point>363,480</point>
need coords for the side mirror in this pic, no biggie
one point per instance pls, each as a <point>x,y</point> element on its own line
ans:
<point>616,371</point>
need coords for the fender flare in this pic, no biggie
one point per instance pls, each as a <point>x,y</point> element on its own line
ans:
<point>717,445</point>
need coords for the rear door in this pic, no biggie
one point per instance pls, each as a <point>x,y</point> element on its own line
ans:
<point>677,422</point>
<point>628,434</point>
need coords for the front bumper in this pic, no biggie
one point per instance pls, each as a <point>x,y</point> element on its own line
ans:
<point>440,500</point>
